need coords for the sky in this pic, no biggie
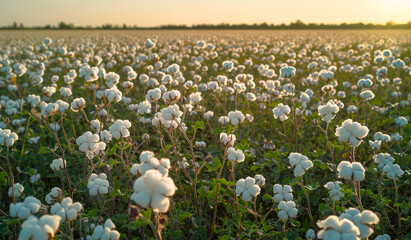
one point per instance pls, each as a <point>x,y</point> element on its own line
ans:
<point>163,12</point>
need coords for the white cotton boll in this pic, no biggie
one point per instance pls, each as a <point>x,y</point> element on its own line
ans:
<point>352,132</point>
<point>281,112</point>
<point>282,193</point>
<point>310,234</point>
<point>383,237</point>
<point>300,163</point>
<point>227,140</point>
<point>18,190</point>
<point>247,188</point>
<point>78,104</point>
<point>236,117</point>
<point>334,228</point>
<point>328,111</point>
<point>260,180</point>
<point>39,229</point>
<point>153,189</point>
<point>286,210</point>
<point>120,128</point>
<point>393,170</point>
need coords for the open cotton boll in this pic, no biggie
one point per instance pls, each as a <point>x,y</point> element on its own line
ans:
<point>286,210</point>
<point>31,205</point>
<point>153,189</point>
<point>112,79</point>
<point>259,180</point>
<point>113,94</point>
<point>67,210</point>
<point>171,112</point>
<point>78,104</point>
<point>54,195</point>
<point>281,112</point>
<point>236,117</point>
<point>227,140</point>
<point>120,128</point>
<point>363,220</point>
<point>18,190</point>
<point>393,170</point>
<point>334,228</point>
<point>282,193</point>
<point>351,171</point>
<point>8,137</point>
<point>300,163</point>
<point>97,184</point>
<point>169,97</point>
<point>106,231</point>
<point>328,111</point>
<point>247,188</point>
<point>352,132</point>
<point>334,190</point>
<point>43,228</point>
<point>383,237</point>
<point>383,159</point>
<point>148,162</point>
<point>88,142</point>
<point>310,234</point>
<point>235,155</point>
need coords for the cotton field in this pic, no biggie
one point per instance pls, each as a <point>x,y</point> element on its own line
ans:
<point>205,134</point>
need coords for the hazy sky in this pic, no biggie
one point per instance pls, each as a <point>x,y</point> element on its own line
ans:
<point>162,12</point>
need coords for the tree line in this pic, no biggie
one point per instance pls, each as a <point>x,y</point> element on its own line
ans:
<point>294,25</point>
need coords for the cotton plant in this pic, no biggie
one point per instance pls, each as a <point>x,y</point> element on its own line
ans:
<point>153,190</point>
<point>247,188</point>
<point>148,161</point>
<point>66,209</point>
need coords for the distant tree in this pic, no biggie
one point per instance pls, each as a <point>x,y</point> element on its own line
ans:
<point>63,25</point>
<point>21,25</point>
<point>124,26</point>
<point>14,26</point>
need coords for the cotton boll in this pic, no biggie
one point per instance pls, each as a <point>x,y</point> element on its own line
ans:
<point>247,188</point>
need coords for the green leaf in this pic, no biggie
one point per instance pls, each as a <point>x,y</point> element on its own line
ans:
<point>255,167</point>
<point>181,215</point>
<point>45,150</point>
